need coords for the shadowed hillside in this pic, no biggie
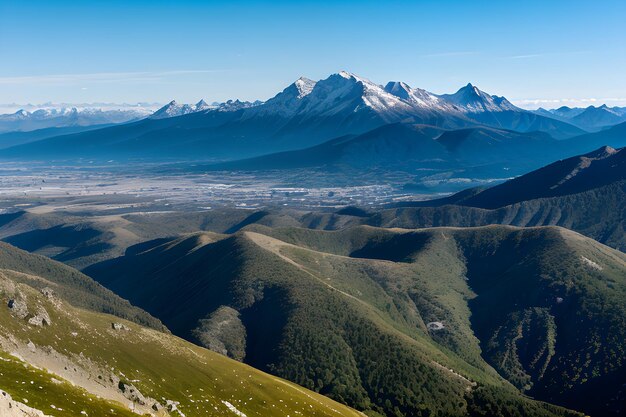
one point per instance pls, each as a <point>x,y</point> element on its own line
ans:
<point>302,304</point>
<point>61,360</point>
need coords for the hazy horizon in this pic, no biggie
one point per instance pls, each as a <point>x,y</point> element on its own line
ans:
<point>568,53</point>
<point>528,104</point>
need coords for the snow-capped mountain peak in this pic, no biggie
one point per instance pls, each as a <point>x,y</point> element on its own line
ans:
<point>419,97</point>
<point>203,105</point>
<point>40,118</point>
<point>345,91</point>
<point>471,99</point>
<point>346,75</point>
<point>173,109</point>
<point>399,89</point>
<point>234,105</point>
<point>304,86</point>
<point>287,102</point>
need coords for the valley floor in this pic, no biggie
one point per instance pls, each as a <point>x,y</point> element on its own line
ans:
<point>152,187</point>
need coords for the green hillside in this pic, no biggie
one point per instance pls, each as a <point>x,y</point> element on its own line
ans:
<point>69,361</point>
<point>398,322</point>
<point>69,285</point>
<point>599,213</point>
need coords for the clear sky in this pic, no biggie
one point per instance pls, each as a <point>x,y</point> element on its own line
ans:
<point>561,52</point>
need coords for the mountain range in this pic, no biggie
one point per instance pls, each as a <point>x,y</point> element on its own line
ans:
<point>427,151</point>
<point>356,314</point>
<point>304,114</point>
<point>26,121</point>
<point>174,109</point>
<point>591,118</point>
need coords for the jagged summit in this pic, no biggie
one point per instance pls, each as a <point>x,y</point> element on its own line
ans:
<point>235,105</point>
<point>309,112</point>
<point>473,100</point>
<point>65,116</point>
<point>304,86</point>
<point>398,89</point>
<point>173,109</point>
<point>203,105</point>
<point>346,74</point>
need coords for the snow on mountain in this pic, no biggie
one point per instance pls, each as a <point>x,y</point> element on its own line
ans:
<point>307,112</point>
<point>470,99</point>
<point>173,109</point>
<point>346,92</point>
<point>234,105</point>
<point>286,103</point>
<point>23,120</point>
<point>304,86</point>
<point>203,105</point>
<point>419,97</point>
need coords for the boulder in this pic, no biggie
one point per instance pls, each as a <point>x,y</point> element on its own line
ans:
<point>435,326</point>
<point>42,318</point>
<point>47,292</point>
<point>18,308</point>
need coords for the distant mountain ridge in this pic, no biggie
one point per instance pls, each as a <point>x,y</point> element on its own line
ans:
<point>306,113</point>
<point>590,118</point>
<point>569,176</point>
<point>472,100</point>
<point>23,120</point>
<point>174,109</point>
<point>404,146</point>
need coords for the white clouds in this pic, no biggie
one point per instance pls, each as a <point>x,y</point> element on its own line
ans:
<point>527,56</point>
<point>448,54</point>
<point>100,78</point>
<point>571,102</point>
<point>547,55</point>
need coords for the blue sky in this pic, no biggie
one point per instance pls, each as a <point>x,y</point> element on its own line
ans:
<point>130,51</point>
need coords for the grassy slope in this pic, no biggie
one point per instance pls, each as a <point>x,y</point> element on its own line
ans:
<point>345,312</point>
<point>548,310</point>
<point>82,240</point>
<point>599,213</point>
<point>80,349</point>
<point>70,285</point>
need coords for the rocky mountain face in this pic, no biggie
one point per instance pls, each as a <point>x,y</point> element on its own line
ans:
<point>306,113</point>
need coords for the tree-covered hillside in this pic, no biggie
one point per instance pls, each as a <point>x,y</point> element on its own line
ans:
<point>60,360</point>
<point>397,322</point>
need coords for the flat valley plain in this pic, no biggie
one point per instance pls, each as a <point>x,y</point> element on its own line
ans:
<point>150,186</point>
